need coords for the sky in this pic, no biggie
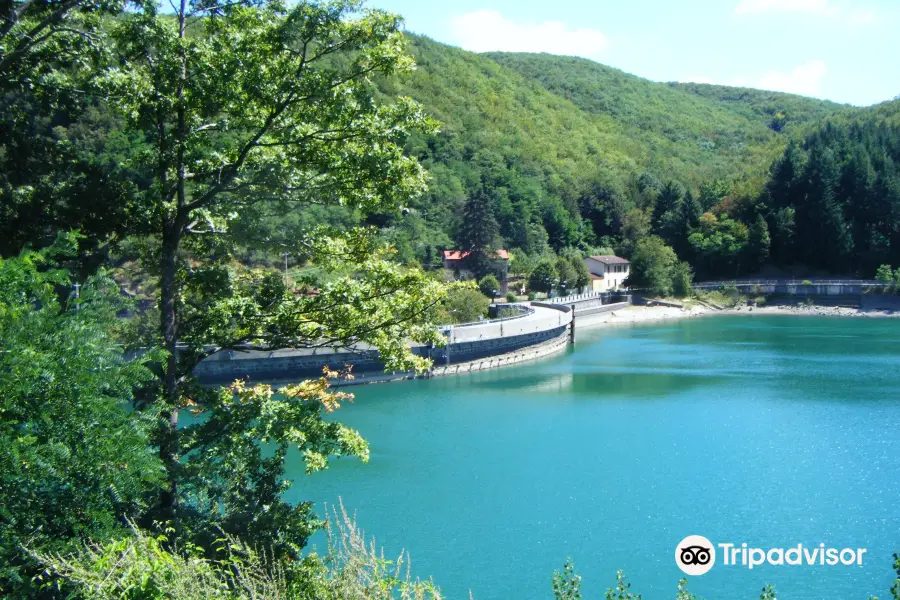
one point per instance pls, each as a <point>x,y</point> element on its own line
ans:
<point>847,51</point>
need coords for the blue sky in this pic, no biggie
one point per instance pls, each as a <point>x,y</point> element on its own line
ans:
<point>843,50</point>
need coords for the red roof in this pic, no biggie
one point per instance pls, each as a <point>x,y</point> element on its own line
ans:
<point>463,254</point>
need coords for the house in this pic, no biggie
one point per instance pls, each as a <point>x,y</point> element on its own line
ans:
<point>608,272</point>
<point>455,260</point>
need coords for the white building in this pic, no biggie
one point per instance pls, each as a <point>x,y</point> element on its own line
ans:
<point>607,272</point>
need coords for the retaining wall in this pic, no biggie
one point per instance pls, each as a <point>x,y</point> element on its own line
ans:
<point>465,344</point>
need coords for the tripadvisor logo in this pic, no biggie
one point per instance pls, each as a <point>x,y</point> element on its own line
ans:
<point>696,555</point>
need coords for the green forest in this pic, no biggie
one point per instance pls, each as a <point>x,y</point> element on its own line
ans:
<point>157,170</point>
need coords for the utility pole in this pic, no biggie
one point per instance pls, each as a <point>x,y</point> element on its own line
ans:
<point>285,256</point>
<point>77,287</point>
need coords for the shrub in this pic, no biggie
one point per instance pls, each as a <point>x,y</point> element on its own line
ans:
<point>542,277</point>
<point>682,280</point>
<point>464,305</point>
<point>510,297</point>
<point>489,286</point>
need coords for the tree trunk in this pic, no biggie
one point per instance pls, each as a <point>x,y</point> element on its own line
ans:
<point>168,442</point>
<point>173,229</point>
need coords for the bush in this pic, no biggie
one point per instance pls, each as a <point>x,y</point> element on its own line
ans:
<point>510,297</point>
<point>489,286</point>
<point>542,277</point>
<point>682,280</point>
<point>147,567</point>
<point>464,305</point>
<point>582,275</point>
<point>567,276</point>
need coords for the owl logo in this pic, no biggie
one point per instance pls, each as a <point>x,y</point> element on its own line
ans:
<point>695,555</point>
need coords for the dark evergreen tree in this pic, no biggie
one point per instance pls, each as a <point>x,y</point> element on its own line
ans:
<point>479,232</point>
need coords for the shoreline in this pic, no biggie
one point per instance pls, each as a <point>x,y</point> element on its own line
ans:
<point>650,314</point>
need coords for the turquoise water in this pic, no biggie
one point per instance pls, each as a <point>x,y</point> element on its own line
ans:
<point>768,430</point>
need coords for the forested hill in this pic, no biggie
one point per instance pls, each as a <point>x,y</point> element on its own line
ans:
<point>780,111</point>
<point>687,135</point>
<point>567,147</point>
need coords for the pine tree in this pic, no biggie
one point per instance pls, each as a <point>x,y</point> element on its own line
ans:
<point>479,232</point>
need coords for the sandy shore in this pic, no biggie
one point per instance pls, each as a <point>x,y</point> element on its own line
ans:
<point>644,314</point>
<point>641,314</point>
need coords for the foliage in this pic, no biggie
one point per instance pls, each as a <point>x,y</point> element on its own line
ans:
<point>543,277</point>
<point>720,244</point>
<point>621,591</point>
<point>840,192</point>
<point>489,286</point>
<point>73,460</point>
<point>768,593</point>
<point>566,274</point>
<point>464,304</point>
<point>895,588</point>
<point>683,593</point>
<point>582,276</point>
<point>249,108</point>
<point>227,478</point>
<point>884,274</point>
<point>653,266</point>
<point>682,280</point>
<point>567,584</point>
<point>478,233</point>
<point>144,566</point>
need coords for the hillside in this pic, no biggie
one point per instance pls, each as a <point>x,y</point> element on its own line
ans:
<point>788,112</point>
<point>554,137</point>
<point>689,137</point>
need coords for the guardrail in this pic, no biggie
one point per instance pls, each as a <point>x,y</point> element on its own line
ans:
<point>761,282</point>
<point>574,298</point>
<point>523,309</point>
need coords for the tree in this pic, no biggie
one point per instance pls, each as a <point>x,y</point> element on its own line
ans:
<point>759,241</point>
<point>635,226</point>
<point>63,162</point>
<point>582,275</point>
<point>719,244</point>
<point>465,305</point>
<point>73,461</point>
<point>823,237</point>
<point>543,277</point>
<point>670,198</point>
<point>35,36</point>
<point>885,274</point>
<point>566,275</point>
<point>652,266</point>
<point>248,108</point>
<point>682,280</point>
<point>479,232</point>
<point>489,286</point>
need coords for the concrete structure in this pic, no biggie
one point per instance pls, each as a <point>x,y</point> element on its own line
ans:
<point>478,345</point>
<point>608,272</point>
<point>538,330</point>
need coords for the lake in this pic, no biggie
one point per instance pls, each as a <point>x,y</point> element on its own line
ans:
<point>769,430</point>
